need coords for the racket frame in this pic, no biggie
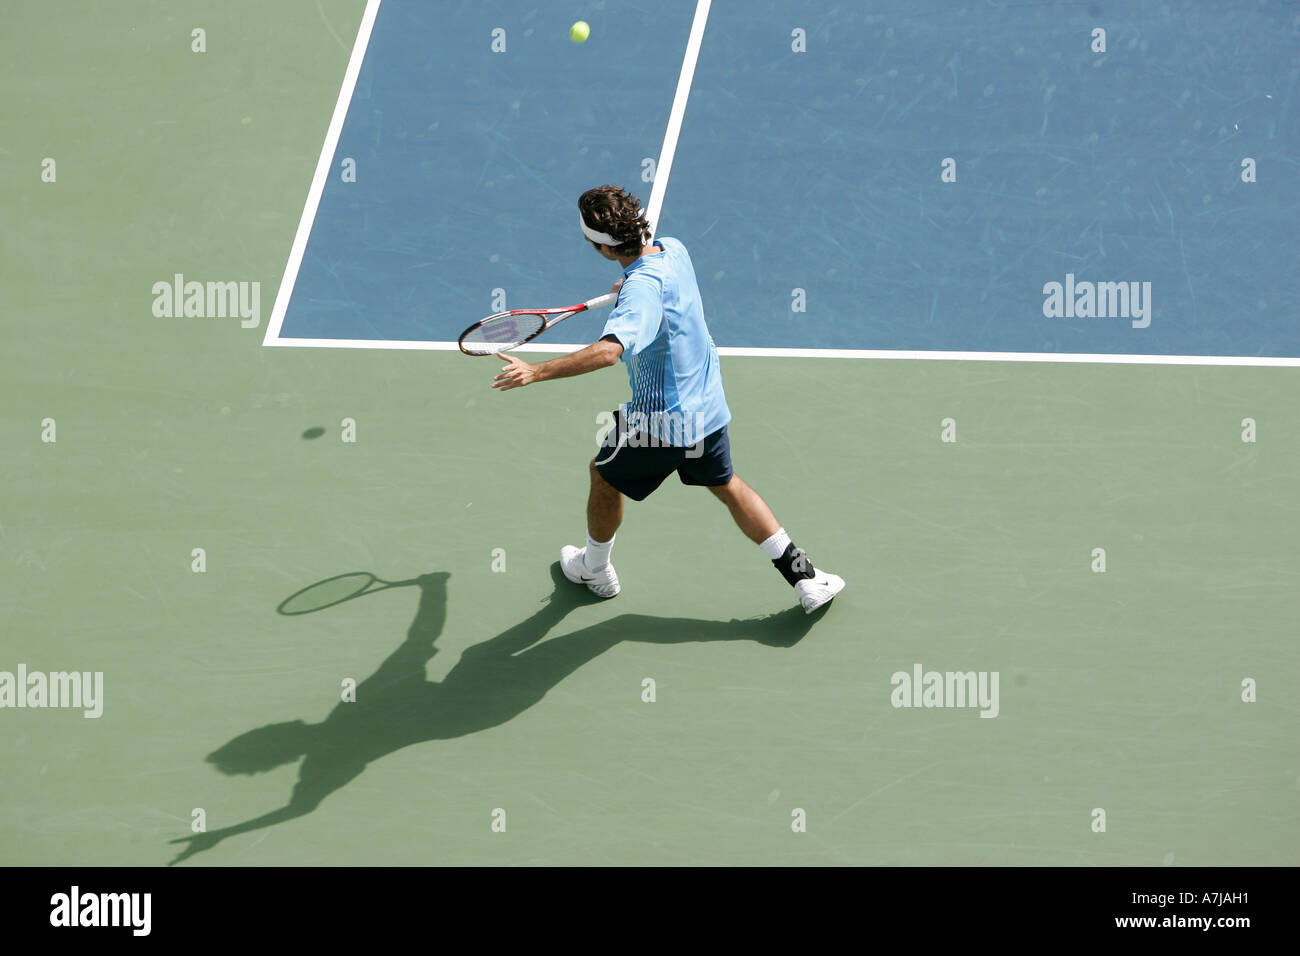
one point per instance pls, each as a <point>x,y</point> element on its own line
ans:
<point>553,318</point>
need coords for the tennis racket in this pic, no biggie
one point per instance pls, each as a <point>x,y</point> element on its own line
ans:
<point>507,330</point>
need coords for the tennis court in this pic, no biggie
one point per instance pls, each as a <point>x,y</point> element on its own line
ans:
<point>1091,513</point>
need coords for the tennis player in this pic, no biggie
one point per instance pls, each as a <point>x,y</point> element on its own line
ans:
<point>677,418</point>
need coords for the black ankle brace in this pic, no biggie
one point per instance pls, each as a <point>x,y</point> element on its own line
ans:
<point>793,565</point>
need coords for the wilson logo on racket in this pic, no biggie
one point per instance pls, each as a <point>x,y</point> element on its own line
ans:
<point>507,330</point>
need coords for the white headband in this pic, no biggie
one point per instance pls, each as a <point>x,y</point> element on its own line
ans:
<point>601,237</point>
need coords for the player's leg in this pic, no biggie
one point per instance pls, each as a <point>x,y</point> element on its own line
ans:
<point>756,520</point>
<point>709,464</point>
<point>626,465</point>
<point>590,565</point>
<point>604,507</point>
<point>749,510</point>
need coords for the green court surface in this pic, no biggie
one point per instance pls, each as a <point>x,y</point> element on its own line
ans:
<point>497,689</point>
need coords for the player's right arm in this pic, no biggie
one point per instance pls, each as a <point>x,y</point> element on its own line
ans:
<point>518,373</point>
<point>622,330</point>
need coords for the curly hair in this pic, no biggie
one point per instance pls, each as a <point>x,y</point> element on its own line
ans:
<point>618,213</point>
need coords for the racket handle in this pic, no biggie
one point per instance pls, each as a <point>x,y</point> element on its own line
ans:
<point>609,298</point>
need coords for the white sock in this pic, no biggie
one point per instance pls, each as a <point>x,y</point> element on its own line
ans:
<point>597,555</point>
<point>774,546</point>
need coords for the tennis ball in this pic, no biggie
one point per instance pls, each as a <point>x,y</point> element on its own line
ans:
<point>579,32</point>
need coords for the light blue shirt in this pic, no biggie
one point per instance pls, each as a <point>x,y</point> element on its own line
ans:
<point>672,363</point>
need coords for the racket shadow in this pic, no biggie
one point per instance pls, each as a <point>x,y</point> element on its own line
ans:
<point>494,682</point>
<point>334,591</point>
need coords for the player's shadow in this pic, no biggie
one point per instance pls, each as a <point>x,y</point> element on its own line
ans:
<point>493,682</point>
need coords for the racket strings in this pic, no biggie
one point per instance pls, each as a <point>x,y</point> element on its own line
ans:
<point>501,333</point>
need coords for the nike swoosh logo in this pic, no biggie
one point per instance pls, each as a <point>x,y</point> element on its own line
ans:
<point>585,579</point>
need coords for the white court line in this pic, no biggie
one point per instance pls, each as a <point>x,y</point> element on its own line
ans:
<point>1101,358</point>
<point>322,173</point>
<point>665,165</point>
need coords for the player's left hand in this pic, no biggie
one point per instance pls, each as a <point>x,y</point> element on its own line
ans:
<point>514,375</point>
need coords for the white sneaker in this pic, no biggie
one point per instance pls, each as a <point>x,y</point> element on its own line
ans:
<point>602,583</point>
<point>818,589</point>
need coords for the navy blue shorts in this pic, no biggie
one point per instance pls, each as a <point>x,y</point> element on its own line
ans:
<point>630,462</point>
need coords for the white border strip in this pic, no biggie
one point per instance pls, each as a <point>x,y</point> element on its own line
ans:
<point>665,165</point>
<point>323,164</point>
<point>934,355</point>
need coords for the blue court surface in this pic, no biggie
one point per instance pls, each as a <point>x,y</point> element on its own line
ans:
<point>808,183</point>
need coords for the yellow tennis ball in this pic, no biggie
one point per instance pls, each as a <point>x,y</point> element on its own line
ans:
<point>579,32</point>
